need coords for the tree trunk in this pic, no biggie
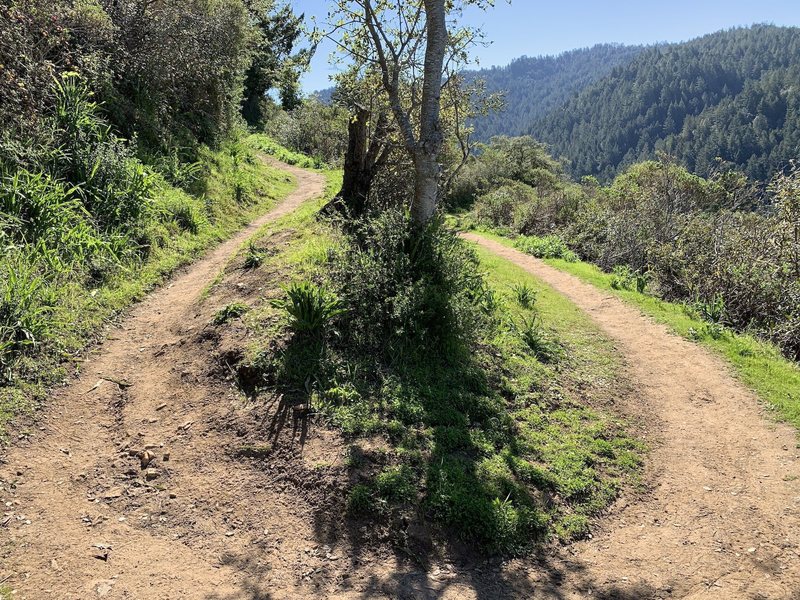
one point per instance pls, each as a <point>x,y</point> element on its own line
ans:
<point>429,144</point>
<point>356,180</point>
<point>364,158</point>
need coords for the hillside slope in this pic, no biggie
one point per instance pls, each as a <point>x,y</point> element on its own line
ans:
<point>534,86</point>
<point>733,94</point>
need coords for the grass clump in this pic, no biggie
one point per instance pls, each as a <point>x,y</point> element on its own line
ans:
<point>230,312</point>
<point>310,306</point>
<point>524,294</point>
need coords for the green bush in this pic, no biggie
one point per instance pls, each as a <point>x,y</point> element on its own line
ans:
<point>26,306</point>
<point>524,294</point>
<point>406,289</point>
<point>548,246</point>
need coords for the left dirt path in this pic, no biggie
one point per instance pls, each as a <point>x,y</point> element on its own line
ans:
<point>68,535</point>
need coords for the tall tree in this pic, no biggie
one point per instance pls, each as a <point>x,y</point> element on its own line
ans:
<point>275,62</point>
<point>415,48</point>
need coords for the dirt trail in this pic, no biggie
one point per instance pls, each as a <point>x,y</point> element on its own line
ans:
<point>723,517</point>
<point>73,486</point>
<point>721,520</point>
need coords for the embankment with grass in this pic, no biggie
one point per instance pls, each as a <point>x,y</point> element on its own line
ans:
<point>69,267</point>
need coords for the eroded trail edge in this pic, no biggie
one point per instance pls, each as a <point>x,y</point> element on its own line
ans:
<point>81,519</point>
<point>722,518</point>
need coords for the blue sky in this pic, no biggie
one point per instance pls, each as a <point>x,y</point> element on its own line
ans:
<point>527,27</point>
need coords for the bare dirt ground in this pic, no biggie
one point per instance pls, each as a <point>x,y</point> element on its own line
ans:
<point>214,516</point>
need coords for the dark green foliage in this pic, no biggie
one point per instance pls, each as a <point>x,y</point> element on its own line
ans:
<point>722,95</point>
<point>172,73</point>
<point>406,288</point>
<point>276,30</point>
<point>535,86</point>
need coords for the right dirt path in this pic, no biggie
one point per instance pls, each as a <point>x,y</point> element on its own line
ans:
<point>722,516</point>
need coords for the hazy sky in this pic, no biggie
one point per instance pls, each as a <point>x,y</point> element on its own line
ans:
<point>528,27</point>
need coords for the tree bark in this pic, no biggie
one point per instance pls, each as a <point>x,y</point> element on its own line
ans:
<point>365,155</point>
<point>355,182</point>
<point>430,141</point>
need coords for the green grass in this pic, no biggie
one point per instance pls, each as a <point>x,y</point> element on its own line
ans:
<point>497,446</point>
<point>758,364</point>
<point>273,148</point>
<point>238,187</point>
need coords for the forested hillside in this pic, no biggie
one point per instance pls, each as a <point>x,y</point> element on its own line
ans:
<point>535,86</point>
<point>733,94</point>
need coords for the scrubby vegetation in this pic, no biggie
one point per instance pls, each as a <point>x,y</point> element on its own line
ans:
<point>721,241</point>
<point>122,155</point>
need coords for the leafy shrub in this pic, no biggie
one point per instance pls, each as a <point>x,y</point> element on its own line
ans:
<point>406,288</point>
<point>501,206</point>
<point>254,257</point>
<point>360,500</point>
<point>531,332</point>
<point>115,187</point>
<point>396,484</point>
<point>310,306</point>
<point>548,246</point>
<point>42,212</point>
<point>312,129</point>
<point>712,310</point>
<point>622,278</point>
<point>26,303</point>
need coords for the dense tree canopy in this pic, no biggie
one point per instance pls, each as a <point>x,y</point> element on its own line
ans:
<point>172,72</point>
<point>534,86</point>
<point>733,94</point>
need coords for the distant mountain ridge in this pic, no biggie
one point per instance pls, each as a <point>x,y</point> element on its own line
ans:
<point>535,86</point>
<point>733,94</point>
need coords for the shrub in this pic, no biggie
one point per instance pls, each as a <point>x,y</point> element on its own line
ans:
<point>524,294</point>
<point>26,304</point>
<point>502,206</point>
<point>42,212</point>
<point>532,334</point>
<point>115,187</point>
<point>548,246</point>
<point>407,289</point>
<point>230,312</point>
<point>254,257</point>
<point>622,278</point>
